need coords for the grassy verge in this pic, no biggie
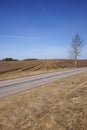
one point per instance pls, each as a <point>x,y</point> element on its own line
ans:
<point>61,105</point>
<point>21,74</point>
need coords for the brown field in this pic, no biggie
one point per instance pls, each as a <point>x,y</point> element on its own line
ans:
<point>61,105</point>
<point>14,69</point>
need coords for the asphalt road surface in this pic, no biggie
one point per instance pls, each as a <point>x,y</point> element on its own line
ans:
<point>13,86</point>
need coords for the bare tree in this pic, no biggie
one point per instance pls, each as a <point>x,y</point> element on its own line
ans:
<point>76,47</point>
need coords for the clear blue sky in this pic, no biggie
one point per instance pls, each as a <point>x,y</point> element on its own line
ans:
<point>41,28</point>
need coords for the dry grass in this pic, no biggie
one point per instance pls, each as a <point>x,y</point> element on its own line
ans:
<point>61,105</point>
<point>19,74</point>
<point>15,69</point>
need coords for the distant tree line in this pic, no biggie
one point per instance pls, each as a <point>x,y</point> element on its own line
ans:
<point>30,59</point>
<point>9,59</point>
<point>12,59</point>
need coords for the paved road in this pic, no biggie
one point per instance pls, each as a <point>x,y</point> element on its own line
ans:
<point>9,87</point>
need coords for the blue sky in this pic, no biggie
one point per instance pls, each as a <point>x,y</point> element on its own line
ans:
<point>41,28</point>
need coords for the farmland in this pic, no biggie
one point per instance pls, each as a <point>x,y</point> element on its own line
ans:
<point>14,69</point>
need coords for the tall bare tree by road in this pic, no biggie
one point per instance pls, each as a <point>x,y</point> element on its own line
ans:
<point>76,47</point>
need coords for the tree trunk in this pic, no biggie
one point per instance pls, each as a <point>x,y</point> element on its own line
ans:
<point>75,63</point>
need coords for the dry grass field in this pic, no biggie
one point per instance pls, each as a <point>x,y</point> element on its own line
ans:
<point>61,105</point>
<point>14,69</point>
